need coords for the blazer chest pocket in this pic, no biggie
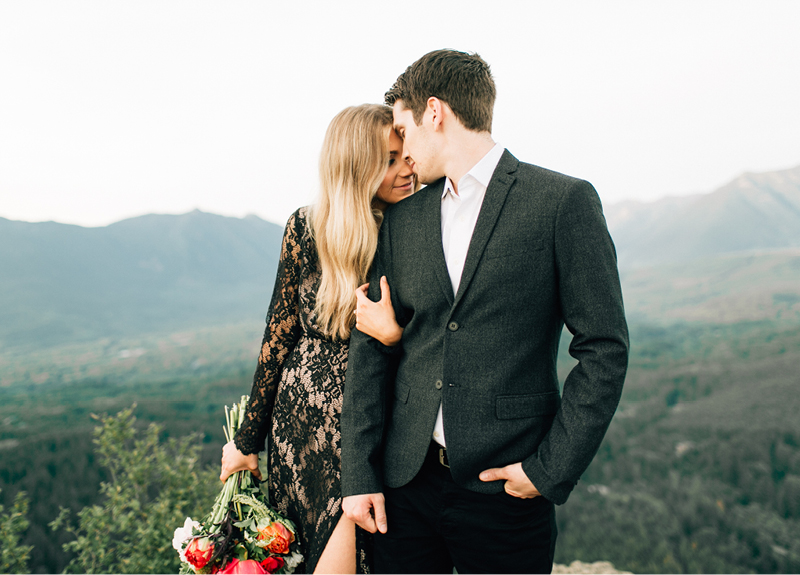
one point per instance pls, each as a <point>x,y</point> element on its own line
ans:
<point>529,405</point>
<point>502,249</point>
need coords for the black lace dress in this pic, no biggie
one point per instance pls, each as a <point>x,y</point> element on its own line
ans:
<point>296,399</point>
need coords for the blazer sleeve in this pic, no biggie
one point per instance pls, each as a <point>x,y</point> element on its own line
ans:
<point>370,371</point>
<point>591,304</point>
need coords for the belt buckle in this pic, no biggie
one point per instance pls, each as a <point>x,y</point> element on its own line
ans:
<point>443,457</point>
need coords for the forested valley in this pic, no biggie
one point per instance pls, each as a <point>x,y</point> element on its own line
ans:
<point>699,471</point>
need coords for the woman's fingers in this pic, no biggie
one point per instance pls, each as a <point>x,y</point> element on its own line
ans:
<point>377,318</point>
<point>234,460</point>
<point>361,295</point>
<point>363,299</point>
<point>386,295</point>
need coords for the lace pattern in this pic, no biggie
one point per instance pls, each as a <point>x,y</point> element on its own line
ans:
<point>296,398</point>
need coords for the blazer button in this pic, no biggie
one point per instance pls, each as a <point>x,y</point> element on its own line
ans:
<point>452,326</point>
<point>438,384</point>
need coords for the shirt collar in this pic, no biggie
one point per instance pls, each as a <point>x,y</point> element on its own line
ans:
<point>482,171</point>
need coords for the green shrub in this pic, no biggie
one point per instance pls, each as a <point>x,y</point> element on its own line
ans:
<point>154,486</point>
<point>13,555</point>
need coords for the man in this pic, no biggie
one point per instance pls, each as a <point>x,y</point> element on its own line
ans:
<point>456,443</point>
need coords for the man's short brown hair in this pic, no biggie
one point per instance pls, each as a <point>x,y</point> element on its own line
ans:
<point>461,80</point>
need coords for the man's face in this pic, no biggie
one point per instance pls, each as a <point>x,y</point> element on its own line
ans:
<point>418,143</point>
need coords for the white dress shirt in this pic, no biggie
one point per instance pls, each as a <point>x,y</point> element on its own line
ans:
<point>459,215</point>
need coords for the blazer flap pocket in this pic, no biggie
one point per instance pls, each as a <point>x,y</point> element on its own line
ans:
<point>529,405</point>
<point>512,248</point>
<point>401,391</point>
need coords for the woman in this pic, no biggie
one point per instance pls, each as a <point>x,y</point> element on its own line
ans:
<point>297,389</point>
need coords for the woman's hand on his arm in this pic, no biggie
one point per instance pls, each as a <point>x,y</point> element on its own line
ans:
<point>234,460</point>
<point>377,319</point>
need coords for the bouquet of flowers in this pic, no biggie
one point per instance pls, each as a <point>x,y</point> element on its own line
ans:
<point>242,534</point>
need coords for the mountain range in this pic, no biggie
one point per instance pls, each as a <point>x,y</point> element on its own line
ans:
<point>62,283</point>
<point>734,250</point>
<point>752,212</point>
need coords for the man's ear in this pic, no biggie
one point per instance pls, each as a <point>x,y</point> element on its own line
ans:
<point>435,112</point>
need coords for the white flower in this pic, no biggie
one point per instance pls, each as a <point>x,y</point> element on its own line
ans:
<point>182,535</point>
<point>292,562</point>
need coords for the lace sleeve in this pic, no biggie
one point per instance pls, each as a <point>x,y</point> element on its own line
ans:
<point>280,336</point>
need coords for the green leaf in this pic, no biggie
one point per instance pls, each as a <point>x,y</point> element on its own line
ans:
<point>240,552</point>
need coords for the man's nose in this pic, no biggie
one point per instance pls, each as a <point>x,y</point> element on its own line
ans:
<point>408,159</point>
<point>408,167</point>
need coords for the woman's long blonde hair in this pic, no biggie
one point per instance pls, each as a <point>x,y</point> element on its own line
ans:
<point>344,225</point>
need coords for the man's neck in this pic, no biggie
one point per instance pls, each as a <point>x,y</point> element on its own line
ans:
<point>469,148</point>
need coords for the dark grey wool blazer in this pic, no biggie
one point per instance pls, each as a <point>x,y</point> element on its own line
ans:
<point>540,257</point>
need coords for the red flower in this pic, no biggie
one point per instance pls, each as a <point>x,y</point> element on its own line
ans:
<point>199,551</point>
<point>249,566</point>
<point>272,564</point>
<point>280,537</point>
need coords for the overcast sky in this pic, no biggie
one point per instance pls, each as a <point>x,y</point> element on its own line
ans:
<point>115,109</point>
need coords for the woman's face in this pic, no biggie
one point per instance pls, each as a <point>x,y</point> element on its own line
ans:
<point>398,182</point>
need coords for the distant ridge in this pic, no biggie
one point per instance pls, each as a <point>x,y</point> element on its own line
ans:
<point>61,282</point>
<point>697,258</point>
<point>755,211</point>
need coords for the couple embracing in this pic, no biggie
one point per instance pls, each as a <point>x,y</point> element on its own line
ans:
<point>435,423</point>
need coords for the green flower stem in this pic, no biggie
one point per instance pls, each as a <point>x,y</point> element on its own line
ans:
<point>233,485</point>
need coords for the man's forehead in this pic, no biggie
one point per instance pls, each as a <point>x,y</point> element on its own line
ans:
<point>400,114</point>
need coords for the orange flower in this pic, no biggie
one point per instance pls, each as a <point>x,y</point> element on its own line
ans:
<point>278,535</point>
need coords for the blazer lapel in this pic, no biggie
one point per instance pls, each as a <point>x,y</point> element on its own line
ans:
<point>493,201</point>
<point>432,237</point>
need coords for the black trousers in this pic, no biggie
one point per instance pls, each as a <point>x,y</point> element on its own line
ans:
<point>435,525</point>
